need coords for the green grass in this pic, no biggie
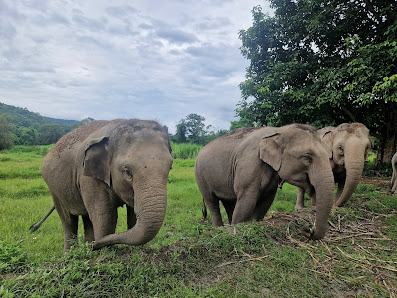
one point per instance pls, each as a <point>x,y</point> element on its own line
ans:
<point>185,150</point>
<point>189,257</point>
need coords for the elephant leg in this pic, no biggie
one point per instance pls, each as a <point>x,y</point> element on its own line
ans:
<point>229,207</point>
<point>339,191</point>
<point>300,199</point>
<point>131,217</point>
<point>69,222</point>
<point>88,229</point>
<point>213,206</point>
<point>264,204</point>
<point>394,188</point>
<point>101,205</point>
<point>314,201</point>
<point>212,202</point>
<point>247,200</point>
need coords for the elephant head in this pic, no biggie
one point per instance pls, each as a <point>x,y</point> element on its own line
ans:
<point>350,144</point>
<point>134,160</point>
<point>299,157</point>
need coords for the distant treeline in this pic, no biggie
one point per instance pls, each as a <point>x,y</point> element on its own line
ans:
<point>19,126</point>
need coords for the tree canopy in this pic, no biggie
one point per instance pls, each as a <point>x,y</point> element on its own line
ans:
<point>192,129</point>
<point>323,63</point>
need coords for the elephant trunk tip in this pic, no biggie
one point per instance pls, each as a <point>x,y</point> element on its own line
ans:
<point>312,234</point>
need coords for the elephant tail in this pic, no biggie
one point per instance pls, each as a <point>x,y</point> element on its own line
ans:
<point>36,226</point>
<point>204,211</point>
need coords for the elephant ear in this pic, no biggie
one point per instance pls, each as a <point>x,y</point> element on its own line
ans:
<point>270,151</point>
<point>96,160</point>
<point>326,138</point>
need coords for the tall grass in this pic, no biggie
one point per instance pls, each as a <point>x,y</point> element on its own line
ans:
<point>185,150</point>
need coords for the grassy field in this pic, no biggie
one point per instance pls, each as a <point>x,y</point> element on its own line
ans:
<point>190,258</point>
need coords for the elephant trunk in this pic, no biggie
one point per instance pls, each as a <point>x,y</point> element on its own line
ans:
<point>149,206</point>
<point>354,164</point>
<point>323,183</point>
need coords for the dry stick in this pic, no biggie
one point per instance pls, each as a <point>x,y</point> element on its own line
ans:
<point>389,289</point>
<point>354,235</point>
<point>246,260</point>
<point>367,263</point>
<point>375,258</point>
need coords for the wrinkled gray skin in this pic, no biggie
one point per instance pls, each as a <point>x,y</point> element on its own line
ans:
<point>103,165</point>
<point>350,145</point>
<point>394,176</point>
<point>243,169</point>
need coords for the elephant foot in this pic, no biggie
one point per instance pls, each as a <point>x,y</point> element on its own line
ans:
<point>299,207</point>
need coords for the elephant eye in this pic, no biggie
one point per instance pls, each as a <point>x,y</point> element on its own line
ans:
<point>307,158</point>
<point>126,173</point>
<point>340,149</point>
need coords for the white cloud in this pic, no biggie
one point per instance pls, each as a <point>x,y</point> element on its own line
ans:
<point>153,59</point>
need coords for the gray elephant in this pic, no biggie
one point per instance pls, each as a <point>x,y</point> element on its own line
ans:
<point>244,168</point>
<point>394,175</point>
<point>103,165</point>
<point>350,145</point>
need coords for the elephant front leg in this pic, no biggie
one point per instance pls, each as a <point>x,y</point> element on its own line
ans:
<point>131,217</point>
<point>300,199</point>
<point>246,201</point>
<point>264,204</point>
<point>339,191</point>
<point>88,229</point>
<point>394,188</point>
<point>101,204</point>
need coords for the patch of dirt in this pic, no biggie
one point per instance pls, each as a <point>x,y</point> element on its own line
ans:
<point>382,183</point>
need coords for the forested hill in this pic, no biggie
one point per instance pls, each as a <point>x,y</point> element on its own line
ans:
<point>62,121</point>
<point>24,117</point>
<point>20,126</point>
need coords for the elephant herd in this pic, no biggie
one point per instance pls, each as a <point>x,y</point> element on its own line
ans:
<point>106,164</point>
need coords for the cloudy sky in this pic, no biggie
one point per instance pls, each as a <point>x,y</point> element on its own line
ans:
<point>147,59</point>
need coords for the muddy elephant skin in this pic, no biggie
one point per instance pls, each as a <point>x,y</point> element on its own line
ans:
<point>243,170</point>
<point>103,165</point>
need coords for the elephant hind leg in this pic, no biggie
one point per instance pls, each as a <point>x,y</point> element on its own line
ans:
<point>70,223</point>
<point>229,207</point>
<point>300,199</point>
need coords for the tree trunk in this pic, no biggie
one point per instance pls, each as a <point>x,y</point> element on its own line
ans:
<point>388,140</point>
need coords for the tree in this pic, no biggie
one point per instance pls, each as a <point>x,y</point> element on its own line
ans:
<point>51,133</point>
<point>180,136</point>
<point>6,138</point>
<point>323,63</point>
<point>29,136</point>
<point>195,127</point>
<point>193,130</point>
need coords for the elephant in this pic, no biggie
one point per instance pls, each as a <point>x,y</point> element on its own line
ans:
<point>103,165</point>
<point>350,144</point>
<point>244,168</point>
<point>394,175</point>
